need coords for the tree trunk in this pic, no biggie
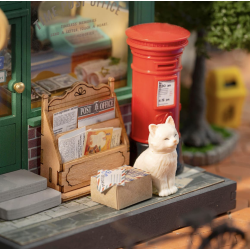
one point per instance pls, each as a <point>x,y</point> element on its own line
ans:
<point>197,131</point>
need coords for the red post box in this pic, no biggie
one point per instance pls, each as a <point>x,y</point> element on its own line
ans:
<point>157,50</point>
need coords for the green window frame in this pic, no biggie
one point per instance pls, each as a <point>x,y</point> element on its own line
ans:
<point>139,12</point>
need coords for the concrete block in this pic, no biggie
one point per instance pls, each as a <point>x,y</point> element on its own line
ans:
<point>20,183</point>
<point>29,204</point>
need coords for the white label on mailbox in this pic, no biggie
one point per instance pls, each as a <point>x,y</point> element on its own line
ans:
<point>165,93</point>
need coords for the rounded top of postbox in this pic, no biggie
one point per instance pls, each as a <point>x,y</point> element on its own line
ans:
<point>157,35</point>
<point>157,32</point>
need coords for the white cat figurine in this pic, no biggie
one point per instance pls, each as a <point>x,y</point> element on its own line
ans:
<point>160,159</point>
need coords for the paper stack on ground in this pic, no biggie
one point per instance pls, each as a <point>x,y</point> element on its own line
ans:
<point>136,187</point>
<point>23,193</point>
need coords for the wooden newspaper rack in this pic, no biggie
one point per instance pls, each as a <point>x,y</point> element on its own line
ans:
<point>72,178</point>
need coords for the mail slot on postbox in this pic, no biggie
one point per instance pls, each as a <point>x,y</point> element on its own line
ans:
<point>157,50</point>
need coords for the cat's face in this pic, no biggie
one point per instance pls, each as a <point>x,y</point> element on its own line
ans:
<point>163,138</point>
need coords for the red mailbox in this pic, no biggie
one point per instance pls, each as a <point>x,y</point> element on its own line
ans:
<point>157,50</point>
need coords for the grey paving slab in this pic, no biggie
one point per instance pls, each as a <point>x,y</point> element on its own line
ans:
<point>29,204</point>
<point>20,183</point>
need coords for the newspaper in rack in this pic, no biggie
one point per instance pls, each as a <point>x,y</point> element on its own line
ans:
<point>71,145</point>
<point>65,120</point>
<point>95,112</point>
<point>116,137</point>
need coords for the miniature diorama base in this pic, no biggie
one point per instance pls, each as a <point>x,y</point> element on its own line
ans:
<point>82,223</point>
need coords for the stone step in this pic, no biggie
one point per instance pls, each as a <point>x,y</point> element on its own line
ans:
<point>19,183</point>
<point>29,204</point>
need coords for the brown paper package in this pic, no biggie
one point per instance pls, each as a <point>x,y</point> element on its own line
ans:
<point>119,197</point>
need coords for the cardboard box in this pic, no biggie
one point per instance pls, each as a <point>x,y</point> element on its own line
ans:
<point>138,187</point>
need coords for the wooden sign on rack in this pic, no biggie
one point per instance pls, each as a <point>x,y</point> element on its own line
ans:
<point>73,178</point>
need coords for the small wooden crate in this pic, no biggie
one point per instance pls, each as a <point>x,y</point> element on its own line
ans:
<point>73,178</point>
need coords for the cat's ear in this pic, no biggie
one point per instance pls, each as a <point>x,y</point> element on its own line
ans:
<point>170,121</point>
<point>152,129</point>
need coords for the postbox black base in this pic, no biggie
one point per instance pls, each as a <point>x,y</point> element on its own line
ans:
<point>136,148</point>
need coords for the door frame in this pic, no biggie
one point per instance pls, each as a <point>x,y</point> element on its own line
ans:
<point>21,51</point>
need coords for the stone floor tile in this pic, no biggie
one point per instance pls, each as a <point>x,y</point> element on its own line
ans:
<point>91,203</point>
<point>82,200</point>
<point>59,212</point>
<point>6,226</point>
<point>70,204</point>
<point>31,220</point>
<point>6,229</point>
<point>44,213</point>
<point>7,223</point>
<point>211,169</point>
<point>77,208</point>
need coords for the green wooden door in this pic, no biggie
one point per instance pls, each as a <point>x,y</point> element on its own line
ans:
<point>10,101</point>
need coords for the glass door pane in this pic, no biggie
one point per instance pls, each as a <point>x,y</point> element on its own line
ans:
<point>11,101</point>
<point>72,41</point>
<point>5,77</point>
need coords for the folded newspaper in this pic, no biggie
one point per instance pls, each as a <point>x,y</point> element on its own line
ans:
<point>71,145</point>
<point>65,120</point>
<point>95,112</point>
<point>37,91</point>
<point>57,82</point>
<point>85,115</point>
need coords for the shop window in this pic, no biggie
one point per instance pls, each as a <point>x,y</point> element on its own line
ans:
<point>5,77</point>
<point>73,41</point>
